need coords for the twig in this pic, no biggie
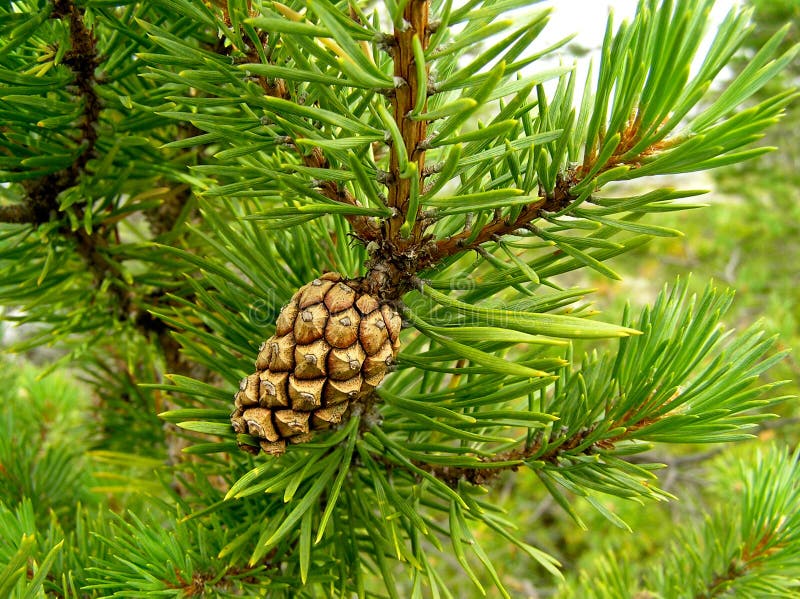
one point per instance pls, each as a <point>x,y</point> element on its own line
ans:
<point>631,421</point>
<point>17,214</point>
<point>451,475</point>
<point>415,19</point>
<point>468,240</point>
<point>739,566</point>
<point>629,138</point>
<point>41,202</point>
<point>42,194</point>
<point>363,227</point>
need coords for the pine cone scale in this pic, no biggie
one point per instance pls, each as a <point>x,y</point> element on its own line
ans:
<point>342,328</point>
<point>282,358</point>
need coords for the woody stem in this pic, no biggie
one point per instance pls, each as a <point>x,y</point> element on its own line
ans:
<point>415,21</point>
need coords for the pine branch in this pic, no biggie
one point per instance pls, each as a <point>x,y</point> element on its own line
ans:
<point>95,245</point>
<point>626,412</point>
<point>41,204</point>
<point>82,59</point>
<point>629,138</point>
<point>747,548</point>
<point>18,214</point>
<point>511,460</point>
<point>407,87</point>
<point>505,461</point>
<point>364,228</point>
<point>42,194</point>
<point>499,227</point>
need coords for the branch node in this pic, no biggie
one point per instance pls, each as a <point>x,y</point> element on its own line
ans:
<point>432,169</point>
<point>386,42</point>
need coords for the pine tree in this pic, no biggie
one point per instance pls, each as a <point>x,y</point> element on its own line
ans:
<point>381,208</point>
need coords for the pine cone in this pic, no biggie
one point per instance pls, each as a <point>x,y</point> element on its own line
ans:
<point>331,348</point>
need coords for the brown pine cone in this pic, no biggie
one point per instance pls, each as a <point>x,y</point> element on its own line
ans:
<point>332,347</point>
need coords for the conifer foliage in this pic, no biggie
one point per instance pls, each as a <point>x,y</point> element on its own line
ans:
<point>381,206</point>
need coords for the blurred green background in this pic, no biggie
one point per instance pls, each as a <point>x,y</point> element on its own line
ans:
<point>748,239</point>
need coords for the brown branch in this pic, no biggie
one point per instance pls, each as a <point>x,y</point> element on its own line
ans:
<point>451,475</point>
<point>558,200</point>
<point>751,557</point>
<point>630,136</point>
<point>496,228</point>
<point>42,194</point>
<point>41,202</point>
<point>415,16</point>
<point>630,421</point>
<point>17,214</point>
<point>202,583</point>
<point>468,240</point>
<point>82,59</point>
<point>363,227</point>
